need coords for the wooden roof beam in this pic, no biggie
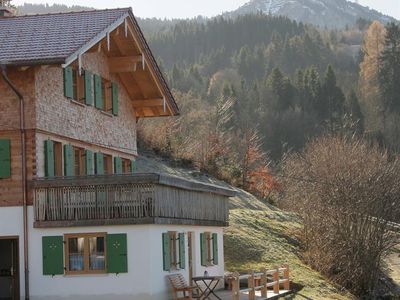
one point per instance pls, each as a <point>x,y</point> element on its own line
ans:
<point>148,103</point>
<point>124,64</point>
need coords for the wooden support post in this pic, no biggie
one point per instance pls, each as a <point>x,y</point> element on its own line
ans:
<point>276,280</point>
<point>264,281</point>
<point>236,286</point>
<point>286,284</point>
<point>251,281</point>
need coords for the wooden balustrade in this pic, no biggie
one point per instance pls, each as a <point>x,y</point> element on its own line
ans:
<point>120,199</point>
<point>277,279</point>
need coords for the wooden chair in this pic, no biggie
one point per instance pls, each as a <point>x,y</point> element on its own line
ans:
<point>179,285</point>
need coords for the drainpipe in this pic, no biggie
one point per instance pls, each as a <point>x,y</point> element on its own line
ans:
<point>24,177</point>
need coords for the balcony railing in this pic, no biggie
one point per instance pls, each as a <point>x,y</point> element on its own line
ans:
<point>128,199</point>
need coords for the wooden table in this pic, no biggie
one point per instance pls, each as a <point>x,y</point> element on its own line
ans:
<point>210,283</point>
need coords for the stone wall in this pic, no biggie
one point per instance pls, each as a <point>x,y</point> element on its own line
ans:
<point>59,115</point>
<point>48,114</point>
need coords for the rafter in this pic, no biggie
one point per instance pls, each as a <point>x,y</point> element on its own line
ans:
<point>124,64</point>
<point>148,102</point>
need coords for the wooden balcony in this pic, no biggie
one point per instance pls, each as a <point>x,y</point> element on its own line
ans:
<point>128,199</point>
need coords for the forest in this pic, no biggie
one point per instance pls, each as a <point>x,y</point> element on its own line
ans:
<point>268,84</point>
<point>303,117</point>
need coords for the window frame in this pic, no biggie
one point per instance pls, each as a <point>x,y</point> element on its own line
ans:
<point>108,164</point>
<point>126,166</point>
<point>58,159</point>
<point>86,253</point>
<point>209,248</point>
<point>78,86</point>
<point>107,96</point>
<point>173,250</point>
<point>80,157</point>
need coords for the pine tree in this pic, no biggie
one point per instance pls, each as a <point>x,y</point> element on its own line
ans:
<point>353,111</point>
<point>332,107</point>
<point>282,90</point>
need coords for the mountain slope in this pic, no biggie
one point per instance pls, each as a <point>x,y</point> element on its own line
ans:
<point>330,13</point>
<point>260,235</point>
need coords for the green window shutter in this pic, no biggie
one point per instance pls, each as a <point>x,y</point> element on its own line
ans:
<point>166,242</point>
<point>69,159</point>
<point>117,165</point>
<point>5,159</point>
<point>203,248</point>
<point>98,92</point>
<point>133,166</point>
<point>114,88</point>
<point>182,251</point>
<point>89,163</point>
<point>49,158</point>
<point>88,88</point>
<point>215,248</point>
<point>53,255</point>
<point>68,83</point>
<point>99,162</point>
<point>117,253</point>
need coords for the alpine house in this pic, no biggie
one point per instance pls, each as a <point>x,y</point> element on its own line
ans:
<point>77,219</point>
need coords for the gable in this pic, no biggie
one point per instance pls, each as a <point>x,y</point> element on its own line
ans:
<point>64,38</point>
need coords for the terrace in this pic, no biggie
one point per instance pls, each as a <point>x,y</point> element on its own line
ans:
<point>128,199</point>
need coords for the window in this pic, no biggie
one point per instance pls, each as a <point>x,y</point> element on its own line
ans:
<point>90,253</point>
<point>209,248</point>
<point>53,153</point>
<point>108,165</point>
<point>173,250</point>
<point>78,86</point>
<point>58,163</point>
<point>126,166</point>
<point>107,96</point>
<point>75,85</point>
<point>85,253</point>
<point>79,161</point>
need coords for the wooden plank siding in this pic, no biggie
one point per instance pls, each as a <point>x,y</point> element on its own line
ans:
<point>24,80</point>
<point>142,198</point>
<point>11,188</point>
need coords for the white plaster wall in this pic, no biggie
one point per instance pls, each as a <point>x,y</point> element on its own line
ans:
<point>145,279</point>
<point>160,281</point>
<point>11,224</point>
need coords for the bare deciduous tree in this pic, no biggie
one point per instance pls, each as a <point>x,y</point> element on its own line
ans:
<point>348,194</point>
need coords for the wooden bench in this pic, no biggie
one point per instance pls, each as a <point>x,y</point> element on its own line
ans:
<point>179,285</point>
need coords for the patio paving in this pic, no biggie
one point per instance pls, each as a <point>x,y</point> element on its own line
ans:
<point>227,295</point>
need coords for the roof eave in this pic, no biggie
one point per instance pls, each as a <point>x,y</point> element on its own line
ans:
<point>34,62</point>
<point>174,107</point>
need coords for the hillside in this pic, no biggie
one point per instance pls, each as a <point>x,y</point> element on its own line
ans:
<point>329,13</point>
<point>259,235</point>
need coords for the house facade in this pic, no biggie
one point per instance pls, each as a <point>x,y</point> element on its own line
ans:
<point>78,220</point>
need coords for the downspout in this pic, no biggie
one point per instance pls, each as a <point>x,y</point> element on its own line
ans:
<point>24,176</point>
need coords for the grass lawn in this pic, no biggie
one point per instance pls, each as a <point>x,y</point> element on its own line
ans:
<point>265,238</point>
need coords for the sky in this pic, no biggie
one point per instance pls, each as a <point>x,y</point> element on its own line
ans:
<point>192,8</point>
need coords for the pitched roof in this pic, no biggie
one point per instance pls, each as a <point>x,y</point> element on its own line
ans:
<point>60,38</point>
<point>51,37</point>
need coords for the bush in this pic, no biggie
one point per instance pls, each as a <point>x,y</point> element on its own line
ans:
<point>347,192</point>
